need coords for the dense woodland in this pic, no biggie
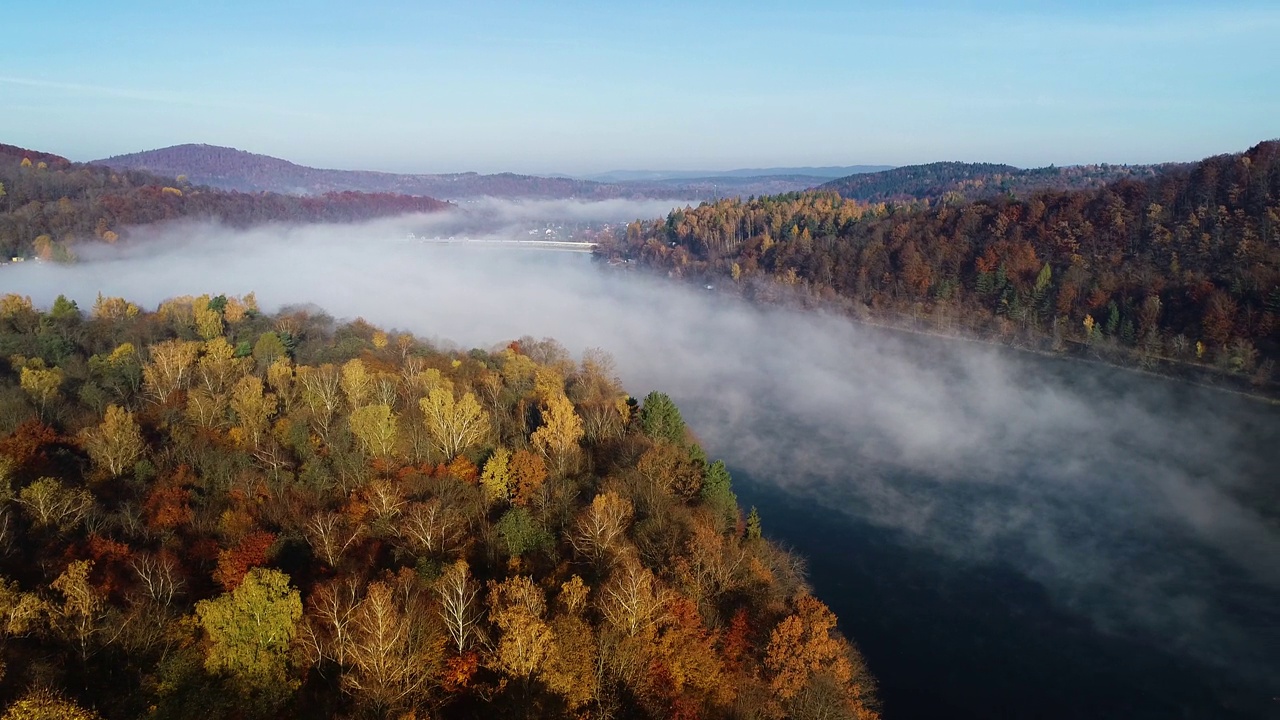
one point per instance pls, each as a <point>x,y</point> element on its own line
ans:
<point>952,182</point>
<point>48,205</point>
<point>1182,269</point>
<point>206,511</point>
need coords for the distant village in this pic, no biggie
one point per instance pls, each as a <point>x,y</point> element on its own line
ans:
<point>578,236</point>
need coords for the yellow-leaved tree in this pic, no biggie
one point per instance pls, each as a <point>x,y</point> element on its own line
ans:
<point>253,409</point>
<point>41,383</point>
<point>810,663</point>
<point>46,705</point>
<point>375,427</point>
<point>517,607</point>
<point>208,320</point>
<point>357,383</point>
<point>114,308</point>
<point>250,630</point>
<point>82,613</point>
<point>169,368</point>
<point>116,443</point>
<point>560,433</point>
<point>453,425</point>
<point>495,481</point>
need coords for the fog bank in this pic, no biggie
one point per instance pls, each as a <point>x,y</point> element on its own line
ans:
<point>1125,500</point>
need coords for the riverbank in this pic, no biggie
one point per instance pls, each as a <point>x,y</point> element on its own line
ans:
<point>1104,353</point>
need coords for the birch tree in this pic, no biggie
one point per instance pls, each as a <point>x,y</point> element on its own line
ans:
<point>453,425</point>
<point>116,443</point>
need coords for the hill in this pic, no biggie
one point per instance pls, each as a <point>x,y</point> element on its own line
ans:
<point>1179,270</point>
<point>720,186</point>
<point>958,181</point>
<point>15,154</point>
<point>826,172</point>
<point>48,205</point>
<point>231,169</point>
<point>212,512</point>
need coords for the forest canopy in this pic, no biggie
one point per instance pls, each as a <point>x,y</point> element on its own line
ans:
<point>210,511</point>
<point>950,182</point>
<point>1179,269</point>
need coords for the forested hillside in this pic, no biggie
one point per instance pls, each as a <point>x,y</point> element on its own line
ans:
<point>1183,267</point>
<point>952,182</point>
<point>48,205</point>
<point>206,511</point>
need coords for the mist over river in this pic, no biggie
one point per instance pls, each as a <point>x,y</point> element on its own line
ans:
<point>1004,535</point>
<point>1062,584</point>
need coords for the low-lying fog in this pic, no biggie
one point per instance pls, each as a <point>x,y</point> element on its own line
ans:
<point>1125,500</point>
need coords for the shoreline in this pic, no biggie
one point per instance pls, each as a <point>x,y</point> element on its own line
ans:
<point>1233,384</point>
<point>1077,358</point>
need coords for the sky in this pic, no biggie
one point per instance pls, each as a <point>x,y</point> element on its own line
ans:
<point>581,87</point>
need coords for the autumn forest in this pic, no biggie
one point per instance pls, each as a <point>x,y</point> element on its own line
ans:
<point>1177,270</point>
<point>211,511</point>
<point>50,206</point>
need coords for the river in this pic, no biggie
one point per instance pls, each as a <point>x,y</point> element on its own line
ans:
<point>1062,582</point>
<point>1005,535</point>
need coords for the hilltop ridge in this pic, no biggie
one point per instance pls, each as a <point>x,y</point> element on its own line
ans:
<point>231,169</point>
<point>49,205</point>
<point>957,181</point>
<point>1177,270</point>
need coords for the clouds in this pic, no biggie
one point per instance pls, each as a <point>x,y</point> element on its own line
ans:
<point>1134,502</point>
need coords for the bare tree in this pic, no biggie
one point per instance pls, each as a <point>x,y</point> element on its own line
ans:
<point>601,527</point>
<point>331,609</point>
<point>322,393</point>
<point>386,503</point>
<point>391,656</point>
<point>169,368</point>
<point>158,576</point>
<point>632,598</point>
<point>458,605</point>
<point>430,527</point>
<point>331,535</point>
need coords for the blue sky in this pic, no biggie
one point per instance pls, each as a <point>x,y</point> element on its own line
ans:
<point>593,86</point>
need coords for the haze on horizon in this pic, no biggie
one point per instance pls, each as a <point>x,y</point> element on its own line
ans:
<point>580,88</point>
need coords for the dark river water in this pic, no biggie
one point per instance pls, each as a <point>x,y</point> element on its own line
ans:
<point>982,640</point>
<point>1068,582</point>
<point>1004,535</point>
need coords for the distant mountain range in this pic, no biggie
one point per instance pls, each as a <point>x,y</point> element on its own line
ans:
<point>973,181</point>
<point>49,206</point>
<point>230,169</point>
<point>707,175</point>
